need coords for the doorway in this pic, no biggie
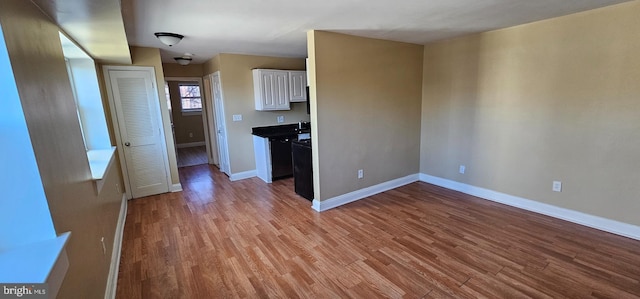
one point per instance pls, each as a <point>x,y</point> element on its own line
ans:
<point>187,107</point>
<point>140,137</point>
<point>217,123</point>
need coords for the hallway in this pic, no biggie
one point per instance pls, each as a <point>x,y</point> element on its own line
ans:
<point>191,156</point>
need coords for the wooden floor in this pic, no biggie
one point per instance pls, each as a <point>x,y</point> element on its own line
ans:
<point>191,156</point>
<point>248,239</point>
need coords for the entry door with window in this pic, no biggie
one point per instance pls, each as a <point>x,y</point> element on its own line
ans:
<point>141,143</point>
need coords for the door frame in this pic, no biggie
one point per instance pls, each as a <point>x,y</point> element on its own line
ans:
<point>116,126</point>
<point>205,114</point>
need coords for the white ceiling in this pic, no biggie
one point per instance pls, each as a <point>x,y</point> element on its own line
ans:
<point>278,27</point>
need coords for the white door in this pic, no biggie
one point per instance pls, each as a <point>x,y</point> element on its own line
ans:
<point>138,125</point>
<point>223,152</point>
<point>210,126</point>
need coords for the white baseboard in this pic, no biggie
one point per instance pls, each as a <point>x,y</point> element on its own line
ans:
<point>243,175</point>
<point>190,144</point>
<point>176,187</point>
<point>362,193</point>
<point>112,281</point>
<point>608,225</point>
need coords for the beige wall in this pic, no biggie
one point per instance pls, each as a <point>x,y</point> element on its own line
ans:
<point>237,88</point>
<point>183,125</point>
<point>176,70</point>
<point>366,97</point>
<point>46,96</point>
<point>211,66</point>
<point>552,100</point>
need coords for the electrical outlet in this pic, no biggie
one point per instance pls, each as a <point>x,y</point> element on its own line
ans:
<point>280,119</point>
<point>237,117</point>
<point>190,135</point>
<point>360,173</point>
<point>557,186</point>
<point>462,169</point>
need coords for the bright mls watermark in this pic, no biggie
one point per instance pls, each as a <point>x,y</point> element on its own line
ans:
<point>24,291</point>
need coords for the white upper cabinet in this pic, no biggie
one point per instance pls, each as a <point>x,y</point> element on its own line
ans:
<point>298,86</point>
<point>271,89</point>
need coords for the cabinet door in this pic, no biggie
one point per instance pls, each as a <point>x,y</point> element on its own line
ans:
<point>298,86</point>
<point>271,89</point>
<point>281,90</point>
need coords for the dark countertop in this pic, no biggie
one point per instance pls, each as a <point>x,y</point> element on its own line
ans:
<point>278,131</point>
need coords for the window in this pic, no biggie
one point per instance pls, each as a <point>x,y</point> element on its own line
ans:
<point>190,98</point>
<point>83,78</point>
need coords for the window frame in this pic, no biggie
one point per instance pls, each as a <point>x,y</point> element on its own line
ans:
<point>190,111</point>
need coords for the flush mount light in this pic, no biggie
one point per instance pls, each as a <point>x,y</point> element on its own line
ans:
<point>185,59</point>
<point>169,39</point>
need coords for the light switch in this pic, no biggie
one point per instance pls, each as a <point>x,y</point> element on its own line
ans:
<point>237,117</point>
<point>557,186</point>
<point>280,119</point>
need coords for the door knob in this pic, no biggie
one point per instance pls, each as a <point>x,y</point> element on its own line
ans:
<point>127,144</point>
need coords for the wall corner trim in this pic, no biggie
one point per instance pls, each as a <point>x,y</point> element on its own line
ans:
<point>243,175</point>
<point>112,280</point>
<point>607,225</point>
<point>339,200</point>
<point>176,187</point>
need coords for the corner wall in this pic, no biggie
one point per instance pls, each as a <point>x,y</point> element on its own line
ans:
<point>47,100</point>
<point>551,100</point>
<point>365,111</point>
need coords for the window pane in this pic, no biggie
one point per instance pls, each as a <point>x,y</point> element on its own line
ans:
<point>190,97</point>
<point>187,91</point>
<point>191,103</point>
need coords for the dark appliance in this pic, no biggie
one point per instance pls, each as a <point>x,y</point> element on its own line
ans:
<point>281,160</point>
<point>280,138</point>
<point>302,168</point>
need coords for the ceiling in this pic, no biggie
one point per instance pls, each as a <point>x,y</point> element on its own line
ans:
<point>278,27</point>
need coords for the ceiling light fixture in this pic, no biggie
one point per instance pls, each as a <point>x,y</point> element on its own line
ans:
<point>169,39</point>
<point>185,59</point>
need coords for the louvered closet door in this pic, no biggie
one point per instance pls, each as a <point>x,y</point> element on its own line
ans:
<point>138,116</point>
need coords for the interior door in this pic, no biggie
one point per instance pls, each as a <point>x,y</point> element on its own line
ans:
<point>223,152</point>
<point>138,122</point>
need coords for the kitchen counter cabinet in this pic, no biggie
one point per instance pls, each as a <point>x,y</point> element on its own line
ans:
<point>262,153</point>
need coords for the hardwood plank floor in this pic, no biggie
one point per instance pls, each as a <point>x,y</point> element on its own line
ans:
<point>222,239</point>
<point>191,156</point>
